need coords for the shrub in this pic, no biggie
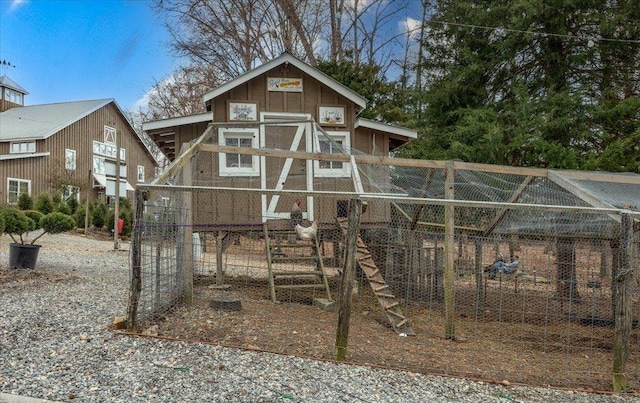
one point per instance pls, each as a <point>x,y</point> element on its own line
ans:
<point>16,223</point>
<point>35,215</point>
<point>25,202</point>
<point>44,203</point>
<point>100,214</point>
<point>79,216</point>
<point>1,221</point>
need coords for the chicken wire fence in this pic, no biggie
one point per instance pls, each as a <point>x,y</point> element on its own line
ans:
<point>460,269</point>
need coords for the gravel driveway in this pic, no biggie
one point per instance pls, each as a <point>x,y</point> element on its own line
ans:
<point>55,345</point>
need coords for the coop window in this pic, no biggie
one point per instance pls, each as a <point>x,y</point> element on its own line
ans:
<point>70,159</point>
<point>335,143</point>
<point>16,187</point>
<point>140,173</point>
<point>237,164</point>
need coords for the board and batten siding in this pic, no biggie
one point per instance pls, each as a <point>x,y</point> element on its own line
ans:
<point>78,136</point>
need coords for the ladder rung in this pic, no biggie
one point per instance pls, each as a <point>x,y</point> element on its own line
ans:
<point>364,257</point>
<point>376,271</point>
<point>401,323</point>
<point>396,314</point>
<point>280,259</point>
<point>297,273</point>
<point>294,286</point>
<point>392,305</point>
<point>383,287</point>
<point>375,280</point>
<point>368,264</point>
<point>383,295</point>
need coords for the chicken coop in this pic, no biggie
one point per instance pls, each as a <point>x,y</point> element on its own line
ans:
<point>408,247</point>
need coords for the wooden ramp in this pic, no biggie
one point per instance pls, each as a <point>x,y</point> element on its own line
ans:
<point>294,263</point>
<point>379,286</point>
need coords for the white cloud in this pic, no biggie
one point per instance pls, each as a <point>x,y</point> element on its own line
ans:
<point>15,4</point>
<point>410,27</point>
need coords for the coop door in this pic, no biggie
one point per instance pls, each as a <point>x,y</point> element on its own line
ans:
<point>285,173</point>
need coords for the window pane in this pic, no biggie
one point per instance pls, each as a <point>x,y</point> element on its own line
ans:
<point>245,161</point>
<point>245,142</point>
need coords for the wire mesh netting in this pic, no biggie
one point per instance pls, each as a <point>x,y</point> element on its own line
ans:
<point>255,258</point>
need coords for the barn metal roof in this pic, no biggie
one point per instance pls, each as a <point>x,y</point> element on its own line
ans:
<point>5,81</point>
<point>37,122</point>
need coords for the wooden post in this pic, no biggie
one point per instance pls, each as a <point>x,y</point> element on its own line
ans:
<point>348,275</point>
<point>187,241</point>
<point>116,212</point>
<point>449,249</point>
<point>135,287</point>
<point>86,204</point>
<point>219,257</point>
<point>623,283</point>
<point>479,277</point>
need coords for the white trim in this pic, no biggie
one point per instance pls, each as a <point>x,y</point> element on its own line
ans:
<point>385,127</point>
<point>179,121</point>
<point>27,181</point>
<point>287,58</point>
<point>70,159</point>
<point>242,133</point>
<point>5,157</point>
<point>303,128</point>
<point>345,171</point>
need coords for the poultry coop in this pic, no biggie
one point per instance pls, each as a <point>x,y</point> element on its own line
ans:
<point>420,299</point>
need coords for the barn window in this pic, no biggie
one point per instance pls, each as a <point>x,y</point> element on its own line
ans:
<point>16,187</point>
<point>19,147</point>
<point>70,159</point>
<point>337,143</point>
<point>140,173</point>
<point>71,192</point>
<point>232,164</point>
<point>13,96</point>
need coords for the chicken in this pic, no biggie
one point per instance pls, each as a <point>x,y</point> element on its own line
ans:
<point>296,213</point>
<point>307,232</point>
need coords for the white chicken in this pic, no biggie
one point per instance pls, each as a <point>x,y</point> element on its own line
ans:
<point>307,232</point>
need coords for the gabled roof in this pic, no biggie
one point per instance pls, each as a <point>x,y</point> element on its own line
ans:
<point>9,83</point>
<point>288,58</point>
<point>385,127</point>
<point>37,122</point>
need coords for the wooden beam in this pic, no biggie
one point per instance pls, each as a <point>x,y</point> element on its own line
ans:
<point>449,250</point>
<point>514,198</point>
<point>579,192</point>
<point>348,275</point>
<point>628,178</point>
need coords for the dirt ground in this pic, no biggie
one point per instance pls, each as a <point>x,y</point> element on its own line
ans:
<point>518,338</point>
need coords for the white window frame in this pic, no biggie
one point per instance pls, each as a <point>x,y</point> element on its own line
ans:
<point>110,135</point>
<point>225,133</point>
<point>14,194</point>
<point>13,96</point>
<point>70,191</point>
<point>70,159</point>
<point>22,147</point>
<point>140,173</point>
<point>342,172</point>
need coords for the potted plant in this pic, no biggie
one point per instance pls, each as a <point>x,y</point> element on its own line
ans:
<point>24,253</point>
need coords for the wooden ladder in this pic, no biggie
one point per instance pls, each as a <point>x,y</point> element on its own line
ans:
<point>283,247</point>
<point>379,286</point>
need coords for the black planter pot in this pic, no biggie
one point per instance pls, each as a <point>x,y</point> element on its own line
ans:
<point>23,256</point>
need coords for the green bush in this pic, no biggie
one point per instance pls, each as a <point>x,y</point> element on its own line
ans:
<point>25,202</point>
<point>55,223</point>
<point>79,216</point>
<point>1,221</point>
<point>44,203</point>
<point>100,214</point>
<point>72,204</point>
<point>35,215</point>
<point>16,223</point>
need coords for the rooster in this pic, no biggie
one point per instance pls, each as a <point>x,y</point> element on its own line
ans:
<point>307,232</point>
<point>296,213</point>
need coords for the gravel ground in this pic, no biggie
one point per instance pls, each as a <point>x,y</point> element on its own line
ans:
<point>55,345</point>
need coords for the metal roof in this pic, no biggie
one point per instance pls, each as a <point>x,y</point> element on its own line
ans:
<point>5,81</point>
<point>41,121</point>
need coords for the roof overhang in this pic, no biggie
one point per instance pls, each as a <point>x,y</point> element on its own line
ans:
<point>288,58</point>
<point>179,121</point>
<point>385,127</point>
<point>5,157</point>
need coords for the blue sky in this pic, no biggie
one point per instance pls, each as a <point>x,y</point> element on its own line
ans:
<point>69,50</point>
